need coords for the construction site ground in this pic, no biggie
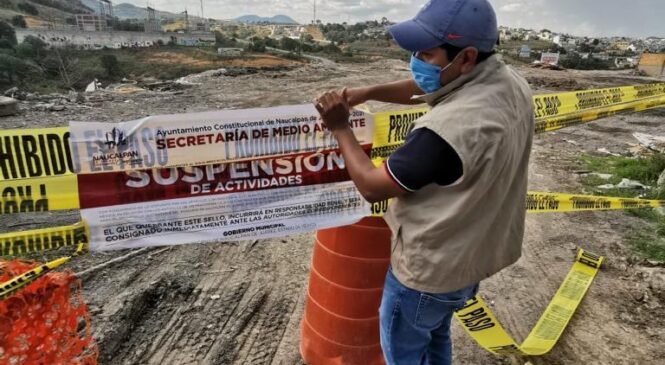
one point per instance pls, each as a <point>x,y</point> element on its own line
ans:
<point>242,302</point>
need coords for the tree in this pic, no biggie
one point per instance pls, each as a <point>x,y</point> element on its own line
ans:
<point>331,49</point>
<point>32,48</point>
<point>257,44</point>
<point>289,44</point>
<point>62,62</point>
<point>7,35</point>
<point>574,61</point>
<point>221,40</point>
<point>306,37</point>
<point>19,21</point>
<point>7,4</point>
<point>270,42</point>
<point>585,48</point>
<point>557,48</point>
<point>243,33</point>
<point>111,65</point>
<point>13,68</point>
<point>128,25</point>
<point>28,8</point>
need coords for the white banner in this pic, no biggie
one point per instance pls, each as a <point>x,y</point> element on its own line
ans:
<point>205,138</point>
<point>549,58</point>
<point>220,202</point>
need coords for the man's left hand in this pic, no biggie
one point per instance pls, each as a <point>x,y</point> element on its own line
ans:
<point>334,110</point>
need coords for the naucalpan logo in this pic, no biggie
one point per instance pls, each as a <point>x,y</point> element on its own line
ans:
<point>115,138</point>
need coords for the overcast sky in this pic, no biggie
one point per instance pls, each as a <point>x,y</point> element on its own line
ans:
<point>578,17</point>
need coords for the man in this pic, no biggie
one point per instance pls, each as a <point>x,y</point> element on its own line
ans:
<point>459,181</point>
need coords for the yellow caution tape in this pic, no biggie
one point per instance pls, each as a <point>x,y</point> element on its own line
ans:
<point>551,111</point>
<point>77,234</point>
<point>36,171</point>
<point>29,153</point>
<point>390,130</point>
<point>481,324</point>
<point>556,104</point>
<point>61,192</point>
<point>38,240</point>
<point>36,168</point>
<point>540,202</point>
<point>584,116</point>
<point>39,194</point>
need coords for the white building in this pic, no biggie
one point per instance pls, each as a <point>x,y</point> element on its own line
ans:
<point>546,35</point>
<point>559,39</point>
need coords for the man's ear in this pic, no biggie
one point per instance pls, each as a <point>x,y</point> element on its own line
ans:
<point>469,58</point>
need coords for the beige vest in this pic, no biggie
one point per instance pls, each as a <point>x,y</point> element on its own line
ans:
<point>449,237</point>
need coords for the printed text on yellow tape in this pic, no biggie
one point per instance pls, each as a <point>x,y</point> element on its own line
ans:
<point>41,240</point>
<point>481,324</point>
<point>541,202</point>
<point>40,194</point>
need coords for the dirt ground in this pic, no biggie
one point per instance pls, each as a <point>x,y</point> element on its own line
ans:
<point>249,61</point>
<point>242,302</point>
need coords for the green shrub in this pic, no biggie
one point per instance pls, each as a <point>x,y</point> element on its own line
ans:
<point>6,4</point>
<point>19,21</point>
<point>111,65</point>
<point>32,48</point>
<point>28,8</point>
<point>7,35</point>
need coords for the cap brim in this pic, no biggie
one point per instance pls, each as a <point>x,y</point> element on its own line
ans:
<point>413,37</point>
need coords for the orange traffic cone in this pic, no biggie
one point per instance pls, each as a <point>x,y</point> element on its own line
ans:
<point>341,321</point>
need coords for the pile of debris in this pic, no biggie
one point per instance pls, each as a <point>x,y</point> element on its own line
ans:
<point>8,106</point>
<point>563,84</point>
<point>55,102</point>
<point>15,93</point>
<point>546,66</point>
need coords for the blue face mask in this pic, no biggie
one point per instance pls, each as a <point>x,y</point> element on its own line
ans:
<point>427,76</point>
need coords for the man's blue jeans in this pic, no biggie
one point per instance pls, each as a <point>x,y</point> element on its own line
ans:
<point>415,326</point>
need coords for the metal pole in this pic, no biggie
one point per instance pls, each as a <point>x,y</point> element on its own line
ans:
<point>205,22</point>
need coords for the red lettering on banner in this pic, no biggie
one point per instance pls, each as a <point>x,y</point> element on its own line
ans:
<point>203,139</point>
<point>116,188</point>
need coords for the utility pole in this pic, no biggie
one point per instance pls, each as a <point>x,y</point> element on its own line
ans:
<point>105,14</point>
<point>314,20</point>
<point>205,21</point>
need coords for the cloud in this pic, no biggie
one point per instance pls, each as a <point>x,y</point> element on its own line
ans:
<point>512,7</point>
<point>581,17</point>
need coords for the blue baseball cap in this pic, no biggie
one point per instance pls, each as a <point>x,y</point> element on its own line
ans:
<point>461,23</point>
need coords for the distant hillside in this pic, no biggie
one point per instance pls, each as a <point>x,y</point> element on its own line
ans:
<point>277,19</point>
<point>51,7</point>
<point>129,11</point>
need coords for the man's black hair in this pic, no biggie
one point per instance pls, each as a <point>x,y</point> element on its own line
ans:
<point>453,51</point>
